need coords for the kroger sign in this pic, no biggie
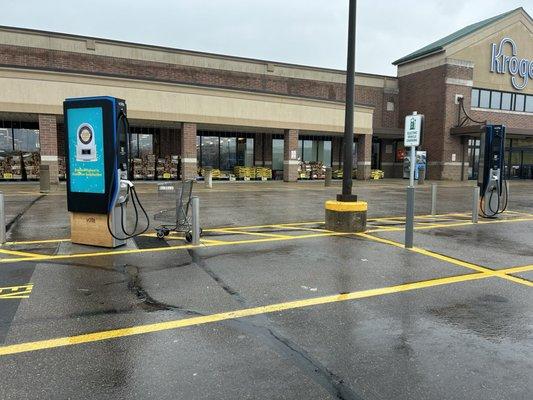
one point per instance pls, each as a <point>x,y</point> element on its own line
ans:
<point>520,69</point>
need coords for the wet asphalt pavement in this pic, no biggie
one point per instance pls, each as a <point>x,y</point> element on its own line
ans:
<point>447,336</point>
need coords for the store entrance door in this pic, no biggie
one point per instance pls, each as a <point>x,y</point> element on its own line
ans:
<point>521,164</point>
<point>376,154</point>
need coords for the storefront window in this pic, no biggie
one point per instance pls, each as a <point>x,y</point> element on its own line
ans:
<point>520,101</point>
<point>146,144</point>
<point>506,101</point>
<point>277,154</point>
<point>324,152</point>
<point>134,145</point>
<point>210,153</point>
<point>6,140</point>
<point>475,97</point>
<point>245,152</point>
<point>529,104</point>
<point>484,98</point>
<point>228,153</point>
<point>26,140</point>
<point>309,151</point>
<point>495,100</point>
<point>473,158</point>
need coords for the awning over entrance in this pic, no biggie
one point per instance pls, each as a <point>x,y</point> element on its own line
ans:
<point>475,131</point>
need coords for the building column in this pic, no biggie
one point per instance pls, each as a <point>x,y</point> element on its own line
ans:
<point>290,157</point>
<point>258,150</point>
<point>267,150</point>
<point>364,156</point>
<point>48,143</point>
<point>336,144</point>
<point>188,151</point>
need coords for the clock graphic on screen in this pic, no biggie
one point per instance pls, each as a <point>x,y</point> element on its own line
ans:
<point>85,144</point>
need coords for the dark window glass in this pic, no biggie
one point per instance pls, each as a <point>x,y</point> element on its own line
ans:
<point>210,151</point>
<point>26,139</point>
<point>6,140</point>
<point>506,101</point>
<point>277,154</point>
<point>529,104</point>
<point>495,100</point>
<point>484,98</point>
<point>134,145</point>
<point>228,153</point>
<point>475,97</point>
<point>520,101</point>
<point>146,144</point>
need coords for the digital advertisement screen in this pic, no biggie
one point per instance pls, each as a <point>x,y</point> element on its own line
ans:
<point>86,150</point>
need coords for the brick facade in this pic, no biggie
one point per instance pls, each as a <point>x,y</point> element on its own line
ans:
<point>290,160</point>
<point>63,61</point>
<point>433,92</point>
<point>188,151</point>
<point>49,145</point>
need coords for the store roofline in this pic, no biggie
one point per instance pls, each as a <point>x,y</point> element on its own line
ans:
<point>187,52</point>
<point>439,45</point>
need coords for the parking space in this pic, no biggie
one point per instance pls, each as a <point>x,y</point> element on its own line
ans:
<point>272,305</point>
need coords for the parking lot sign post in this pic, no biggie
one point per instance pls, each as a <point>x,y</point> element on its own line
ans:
<point>413,131</point>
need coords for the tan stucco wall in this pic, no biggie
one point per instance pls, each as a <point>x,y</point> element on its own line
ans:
<point>475,50</point>
<point>44,92</point>
<point>479,52</point>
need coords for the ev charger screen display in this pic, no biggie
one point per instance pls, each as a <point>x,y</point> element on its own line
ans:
<point>86,150</point>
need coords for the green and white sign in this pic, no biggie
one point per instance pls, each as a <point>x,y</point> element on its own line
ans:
<point>413,130</point>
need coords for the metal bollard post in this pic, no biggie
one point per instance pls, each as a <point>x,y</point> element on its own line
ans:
<point>208,177</point>
<point>475,205</point>
<point>410,217</point>
<point>327,178</point>
<point>44,178</point>
<point>195,220</point>
<point>2,220</point>
<point>433,199</point>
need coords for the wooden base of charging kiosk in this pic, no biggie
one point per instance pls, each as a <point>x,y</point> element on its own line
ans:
<point>92,230</point>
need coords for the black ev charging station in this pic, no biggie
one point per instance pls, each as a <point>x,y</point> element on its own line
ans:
<point>97,165</point>
<point>491,178</point>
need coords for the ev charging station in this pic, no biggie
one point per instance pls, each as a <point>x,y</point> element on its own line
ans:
<point>98,192</point>
<point>492,184</point>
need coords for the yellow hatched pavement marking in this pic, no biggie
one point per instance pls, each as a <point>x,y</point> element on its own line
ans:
<point>16,292</point>
<point>448,259</point>
<point>272,308</point>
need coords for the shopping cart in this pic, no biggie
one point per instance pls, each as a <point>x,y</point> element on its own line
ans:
<point>175,219</point>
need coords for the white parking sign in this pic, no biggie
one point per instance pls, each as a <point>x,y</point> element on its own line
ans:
<point>413,130</point>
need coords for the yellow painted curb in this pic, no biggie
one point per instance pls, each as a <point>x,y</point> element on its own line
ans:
<point>341,206</point>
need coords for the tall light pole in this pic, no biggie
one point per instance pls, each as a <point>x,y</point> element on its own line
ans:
<point>347,182</point>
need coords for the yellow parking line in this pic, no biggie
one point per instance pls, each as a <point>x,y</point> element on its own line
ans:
<point>447,259</point>
<point>20,253</point>
<point>237,232</point>
<point>170,248</point>
<point>36,241</point>
<point>195,321</point>
<point>299,228</point>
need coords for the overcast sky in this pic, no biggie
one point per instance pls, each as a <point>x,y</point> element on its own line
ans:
<point>310,32</point>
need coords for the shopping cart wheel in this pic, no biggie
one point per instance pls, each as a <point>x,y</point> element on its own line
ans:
<point>188,237</point>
